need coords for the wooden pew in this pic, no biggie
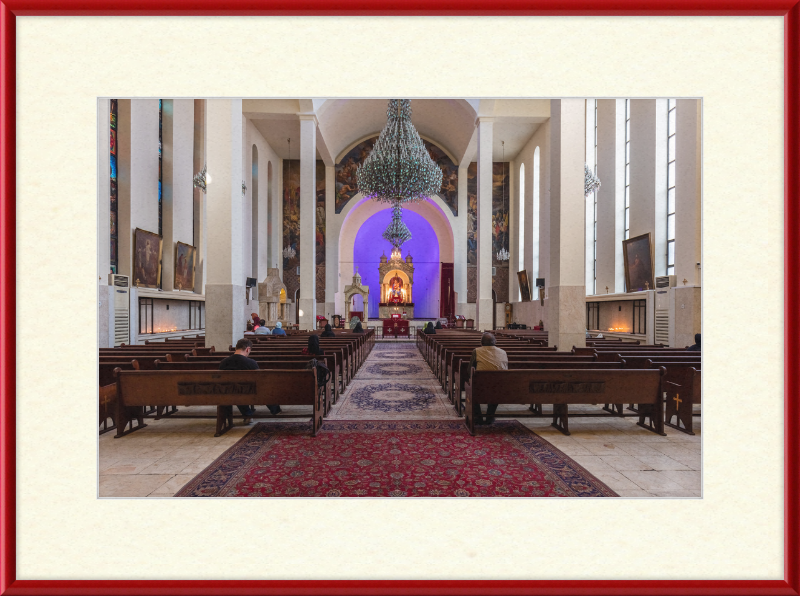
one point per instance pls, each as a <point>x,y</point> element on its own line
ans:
<point>299,364</point>
<point>569,386</point>
<point>682,387</point>
<point>221,388</point>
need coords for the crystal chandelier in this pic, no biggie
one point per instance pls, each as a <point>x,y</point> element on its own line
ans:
<point>397,233</point>
<point>590,182</point>
<point>502,255</point>
<point>399,168</point>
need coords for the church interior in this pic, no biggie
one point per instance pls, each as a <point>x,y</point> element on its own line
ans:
<point>434,305</point>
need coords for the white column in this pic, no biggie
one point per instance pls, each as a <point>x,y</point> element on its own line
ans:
<point>611,195</point>
<point>648,186</point>
<point>688,187</point>
<point>460,239</point>
<point>199,198</point>
<point>225,297</point>
<point>566,308</point>
<point>484,234</point>
<point>331,243</point>
<point>308,221</point>
<point>104,296</point>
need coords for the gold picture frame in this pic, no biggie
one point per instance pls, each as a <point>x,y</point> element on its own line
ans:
<point>524,285</point>
<point>638,255</point>
<point>146,263</point>
<point>185,259</point>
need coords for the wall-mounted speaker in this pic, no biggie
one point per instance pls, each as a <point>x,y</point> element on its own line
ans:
<point>539,282</point>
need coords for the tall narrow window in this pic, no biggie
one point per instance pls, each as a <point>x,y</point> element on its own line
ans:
<point>671,121</point>
<point>594,198</point>
<point>627,169</point>
<point>521,223</point>
<point>113,167</point>
<point>160,144</point>
<point>535,217</point>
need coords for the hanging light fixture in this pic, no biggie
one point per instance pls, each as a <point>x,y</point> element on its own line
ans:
<point>590,182</point>
<point>201,178</point>
<point>288,252</point>
<point>397,233</point>
<point>399,168</point>
<point>502,254</point>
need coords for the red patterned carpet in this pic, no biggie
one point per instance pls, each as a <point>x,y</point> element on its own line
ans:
<point>401,458</point>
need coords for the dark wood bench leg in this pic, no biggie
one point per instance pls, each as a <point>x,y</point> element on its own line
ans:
<point>224,420</point>
<point>165,411</point>
<point>561,417</point>
<point>614,409</point>
<point>469,419</point>
<point>651,417</point>
<point>681,409</point>
<point>536,409</point>
<point>125,417</point>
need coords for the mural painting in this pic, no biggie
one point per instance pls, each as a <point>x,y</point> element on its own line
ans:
<point>347,186</point>
<point>472,214</point>
<point>291,222</point>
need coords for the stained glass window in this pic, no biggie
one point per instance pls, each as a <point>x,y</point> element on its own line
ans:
<point>113,194</point>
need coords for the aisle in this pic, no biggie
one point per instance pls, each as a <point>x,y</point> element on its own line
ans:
<point>394,383</point>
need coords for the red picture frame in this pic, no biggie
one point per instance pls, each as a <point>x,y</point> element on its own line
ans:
<point>789,9</point>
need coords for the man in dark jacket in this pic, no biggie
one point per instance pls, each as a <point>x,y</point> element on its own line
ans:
<point>240,361</point>
<point>696,346</point>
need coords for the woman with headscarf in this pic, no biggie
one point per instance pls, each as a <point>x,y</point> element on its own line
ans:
<point>438,325</point>
<point>328,332</point>
<point>313,346</point>
<point>278,329</point>
<point>429,330</point>
<point>358,328</point>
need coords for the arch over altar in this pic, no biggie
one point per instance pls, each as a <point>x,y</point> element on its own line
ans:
<point>397,280</point>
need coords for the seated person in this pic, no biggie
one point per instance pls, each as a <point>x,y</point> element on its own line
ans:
<point>313,346</point>
<point>249,330</point>
<point>328,332</point>
<point>696,346</point>
<point>429,329</point>
<point>278,329</point>
<point>358,328</point>
<point>262,328</point>
<point>438,325</point>
<point>487,357</point>
<point>240,360</point>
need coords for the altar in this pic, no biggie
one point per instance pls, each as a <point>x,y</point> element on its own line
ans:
<point>404,309</point>
<point>395,327</point>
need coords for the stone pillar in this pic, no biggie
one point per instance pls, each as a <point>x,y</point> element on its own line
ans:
<point>176,175</point>
<point>611,195</point>
<point>484,299</point>
<point>331,244</point>
<point>199,197</point>
<point>105,304</point>
<point>566,305</point>
<point>308,221</point>
<point>648,185</point>
<point>225,297</point>
<point>688,185</point>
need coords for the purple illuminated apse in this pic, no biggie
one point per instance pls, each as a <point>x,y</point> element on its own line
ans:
<point>424,250</point>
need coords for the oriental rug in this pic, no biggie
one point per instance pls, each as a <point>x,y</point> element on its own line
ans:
<point>405,458</point>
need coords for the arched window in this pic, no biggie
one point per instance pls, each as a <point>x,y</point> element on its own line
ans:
<point>672,107</point>
<point>627,169</point>
<point>521,223</point>
<point>535,218</point>
<point>254,239</point>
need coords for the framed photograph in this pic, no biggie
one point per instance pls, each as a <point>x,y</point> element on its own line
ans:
<point>146,259</point>
<point>638,255</point>
<point>524,285</point>
<point>184,266</point>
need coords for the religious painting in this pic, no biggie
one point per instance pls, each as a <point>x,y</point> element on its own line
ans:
<point>291,213</point>
<point>449,190</point>
<point>184,266</point>
<point>146,259</point>
<point>500,203</point>
<point>113,143</point>
<point>320,237</point>
<point>524,285</point>
<point>638,256</point>
<point>472,214</point>
<point>346,185</point>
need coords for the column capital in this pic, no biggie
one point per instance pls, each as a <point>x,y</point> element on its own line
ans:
<point>312,117</point>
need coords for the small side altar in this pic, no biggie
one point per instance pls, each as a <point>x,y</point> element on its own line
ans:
<point>395,327</point>
<point>404,309</point>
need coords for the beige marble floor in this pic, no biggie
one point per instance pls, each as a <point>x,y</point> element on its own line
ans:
<point>158,460</point>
